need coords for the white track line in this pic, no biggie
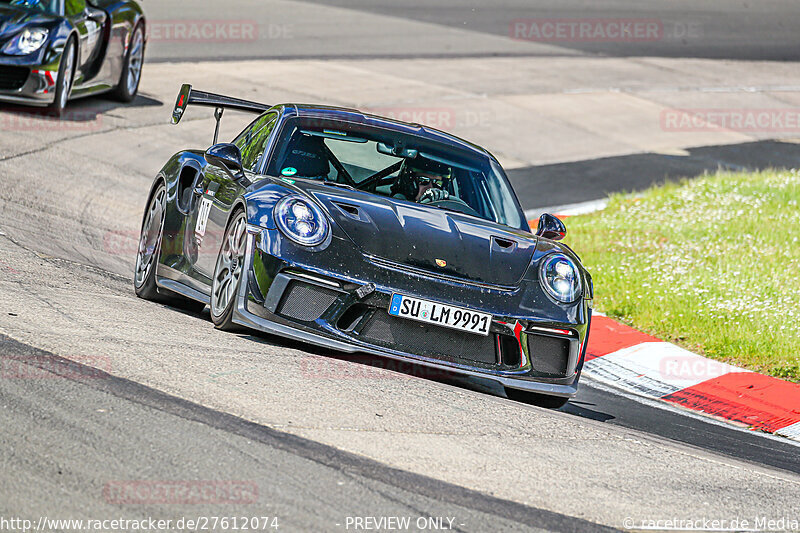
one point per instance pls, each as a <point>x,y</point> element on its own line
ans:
<point>581,208</point>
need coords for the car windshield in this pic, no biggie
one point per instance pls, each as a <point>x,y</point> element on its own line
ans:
<point>397,165</point>
<point>45,6</point>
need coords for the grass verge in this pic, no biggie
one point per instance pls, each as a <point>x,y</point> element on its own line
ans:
<point>711,264</point>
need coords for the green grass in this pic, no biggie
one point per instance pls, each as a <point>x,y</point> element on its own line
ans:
<point>711,264</point>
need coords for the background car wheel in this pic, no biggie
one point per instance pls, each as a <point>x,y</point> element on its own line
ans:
<point>144,279</point>
<point>228,273</point>
<point>66,74</point>
<point>541,400</point>
<point>132,67</point>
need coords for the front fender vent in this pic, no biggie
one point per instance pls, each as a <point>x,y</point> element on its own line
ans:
<point>351,211</point>
<point>503,245</point>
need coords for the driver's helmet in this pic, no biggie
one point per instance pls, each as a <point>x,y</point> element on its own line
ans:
<point>419,171</point>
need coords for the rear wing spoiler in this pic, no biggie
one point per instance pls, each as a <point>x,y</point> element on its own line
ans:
<point>188,96</point>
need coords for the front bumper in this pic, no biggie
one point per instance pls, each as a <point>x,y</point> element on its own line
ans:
<point>536,354</point>
<point>27,84</point>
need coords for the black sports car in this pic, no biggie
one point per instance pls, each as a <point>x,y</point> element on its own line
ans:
<point>365,234</point>
<point>54,50</point>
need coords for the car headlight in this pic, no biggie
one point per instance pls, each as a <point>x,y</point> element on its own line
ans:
<point>26,42</point>
<point>301,220</point>
<point>560,277</point>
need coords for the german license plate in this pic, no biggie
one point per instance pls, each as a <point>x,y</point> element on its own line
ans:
<point>440,314</point>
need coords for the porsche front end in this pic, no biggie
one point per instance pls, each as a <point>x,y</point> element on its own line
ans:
<point>31,85</point>
<point>29,61</point>
<point>336,294</point>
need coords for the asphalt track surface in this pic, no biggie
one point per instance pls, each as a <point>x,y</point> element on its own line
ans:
<point>715,29</point>
<point>581,181</point>
<point>66,438</point>
<point>305,485</point>
<point>706,28</point>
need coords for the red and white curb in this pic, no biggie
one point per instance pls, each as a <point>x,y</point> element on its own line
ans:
<point>625,358</point>
<point>645,366</point>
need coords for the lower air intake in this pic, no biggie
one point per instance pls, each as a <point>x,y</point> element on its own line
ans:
<point>428,340</point>
<point>12,78</point>
<point>305,302</point>
<point>549,355</point>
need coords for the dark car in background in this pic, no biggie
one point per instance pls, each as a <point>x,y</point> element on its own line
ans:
<point>52,51</point>
<point>365,234</point>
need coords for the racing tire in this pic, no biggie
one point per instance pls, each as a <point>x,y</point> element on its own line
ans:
<point>66,75</point>
<point>228,273</point>
<point>149,249</point>
<point>131,74</point>
<point>533,398</point>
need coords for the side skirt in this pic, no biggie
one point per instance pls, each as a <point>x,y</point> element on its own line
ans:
<point>90,89</point>
<point>168,278</point>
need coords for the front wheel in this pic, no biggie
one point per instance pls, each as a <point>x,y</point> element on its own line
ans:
<point>66,75</point>
<point>533,398</point>
<point>228,273</point>
<point>131,68</point>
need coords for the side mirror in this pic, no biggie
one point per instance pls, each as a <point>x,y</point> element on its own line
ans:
<point>550,227</point>
<point>228,157</point>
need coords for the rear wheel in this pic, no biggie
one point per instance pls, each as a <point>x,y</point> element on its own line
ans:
<point>144,278</point>
<point>66,75</point>
<point>533,398</point>
<point>132,67</point>
<point>228,273</point>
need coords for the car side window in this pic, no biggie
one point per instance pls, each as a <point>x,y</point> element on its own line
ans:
<point>74,7</point>
<point>253,140</point>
